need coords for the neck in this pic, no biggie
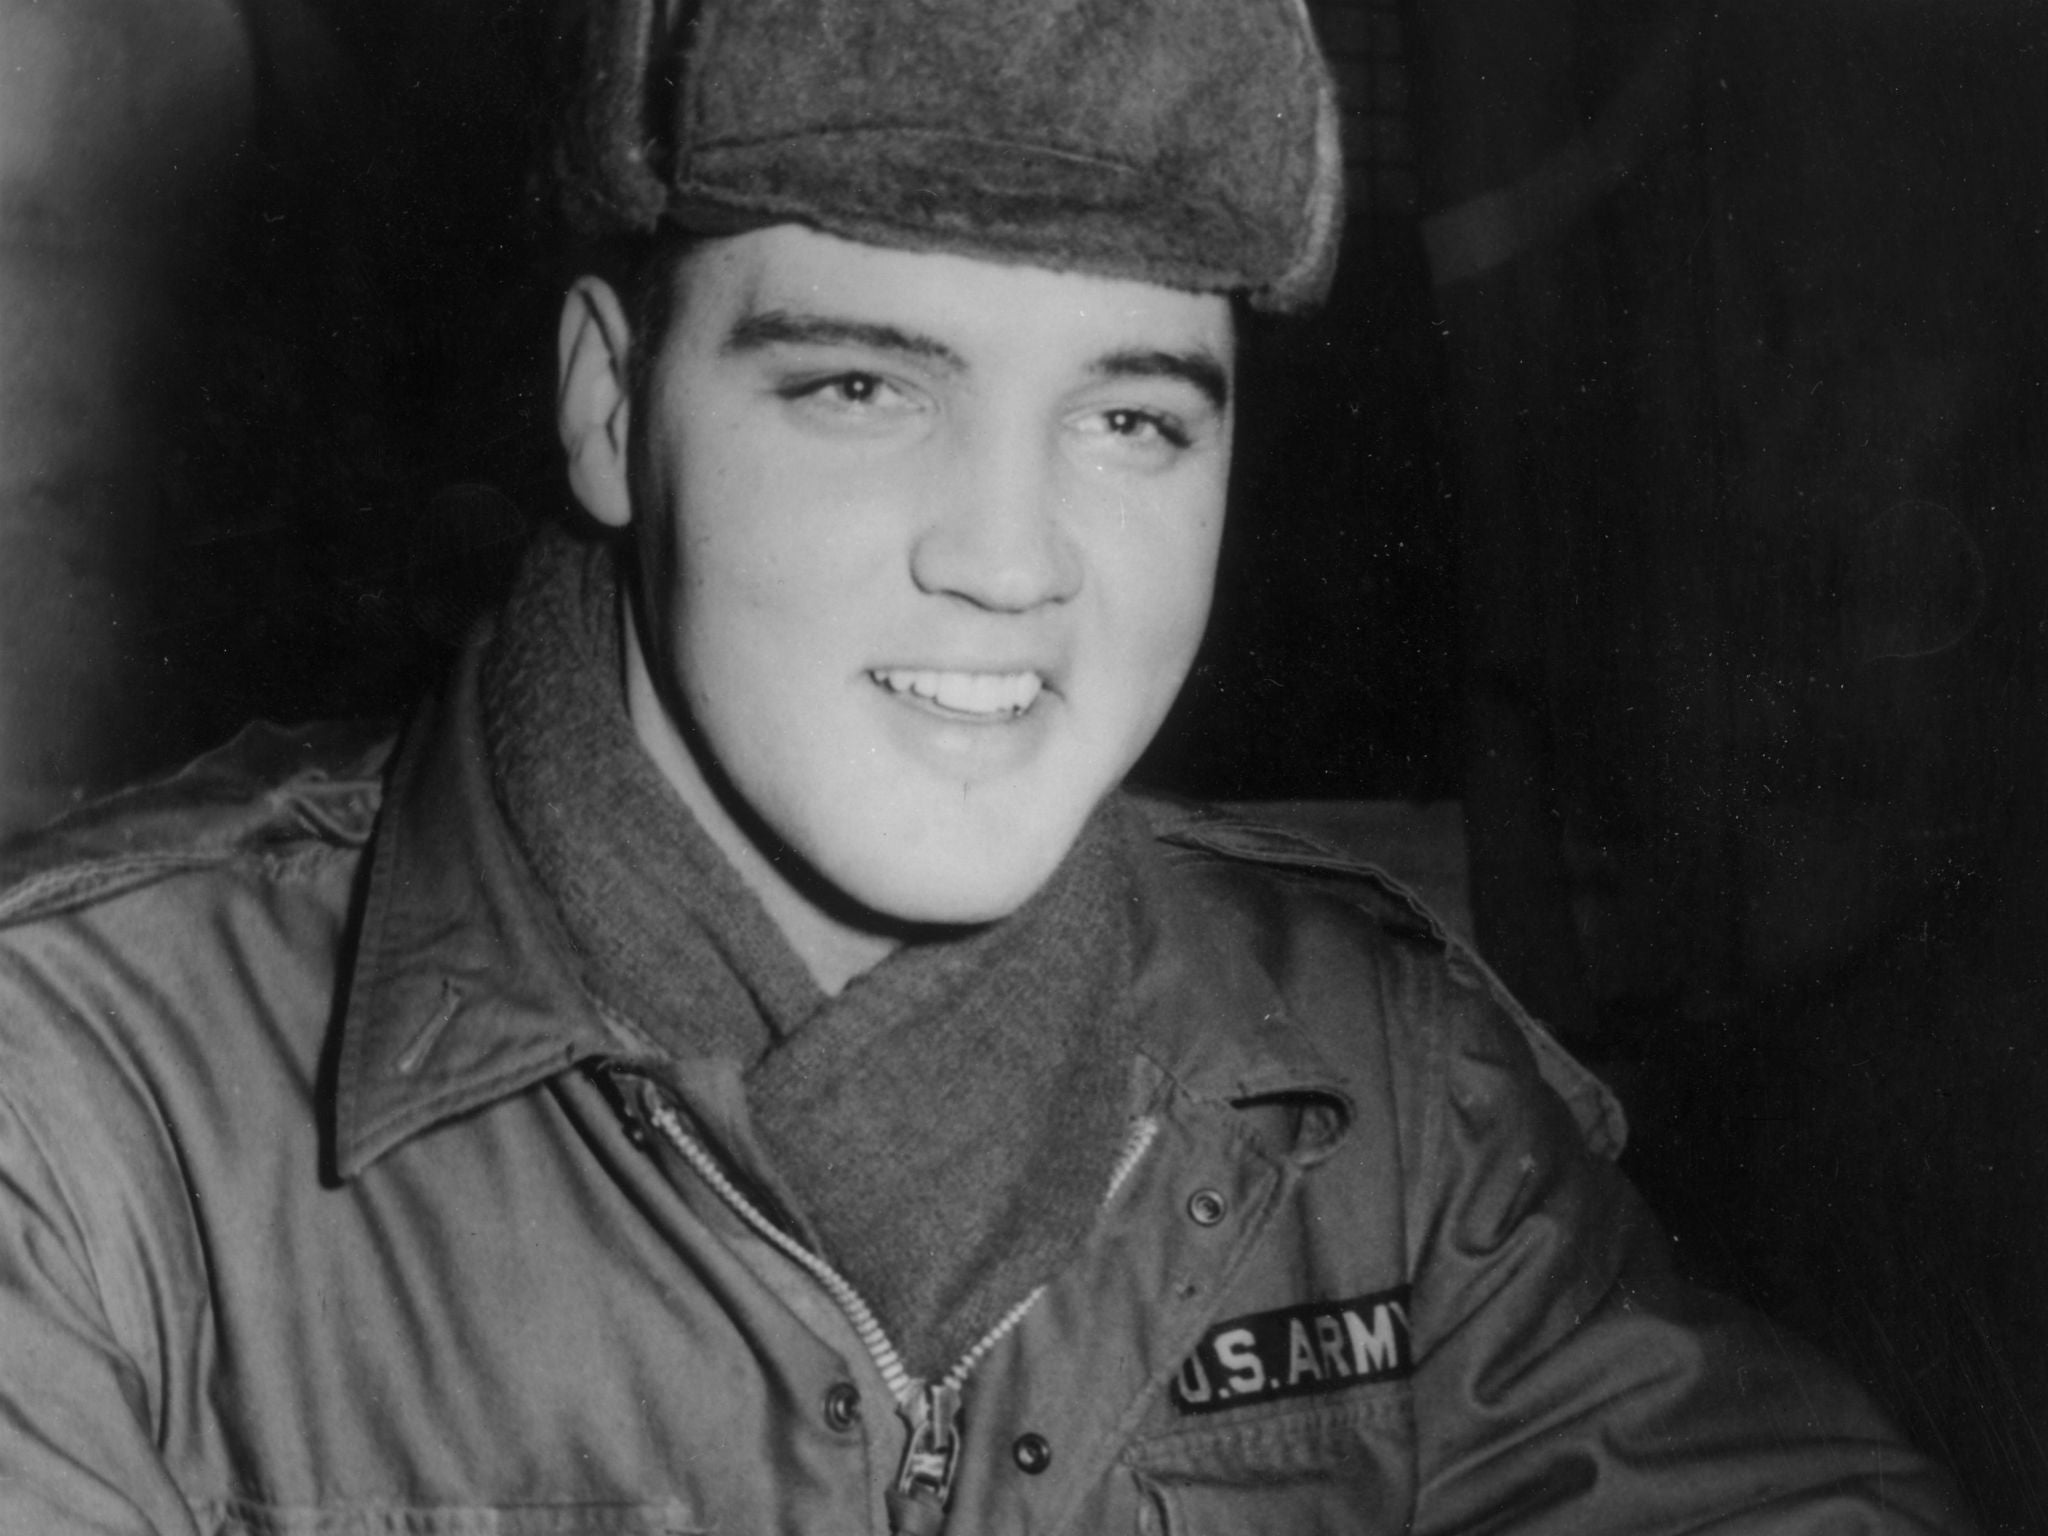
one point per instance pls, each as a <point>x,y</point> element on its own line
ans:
<point>833,950</point>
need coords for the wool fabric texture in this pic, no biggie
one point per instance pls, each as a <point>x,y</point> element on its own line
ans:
<point>943,1129</point>
<point>1190,143</point>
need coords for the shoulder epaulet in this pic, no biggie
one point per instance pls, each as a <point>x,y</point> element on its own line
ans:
<point>1208,829</point>
<point>270,787</point>
<point>1397,909</point>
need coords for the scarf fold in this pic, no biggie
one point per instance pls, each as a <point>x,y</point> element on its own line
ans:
<point>942,1130</point>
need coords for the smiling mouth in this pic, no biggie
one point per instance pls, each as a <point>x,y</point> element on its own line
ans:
<point>970,695</point>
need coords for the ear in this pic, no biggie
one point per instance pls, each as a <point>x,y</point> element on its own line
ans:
<point>593,404</point>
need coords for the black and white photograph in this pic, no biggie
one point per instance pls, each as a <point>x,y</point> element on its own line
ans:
<point>1023,767</point>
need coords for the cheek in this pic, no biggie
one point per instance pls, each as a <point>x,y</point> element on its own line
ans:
<point>1169,580</point>
<point>771,609</point>
<point>722,553</point>
<point>775,528</point>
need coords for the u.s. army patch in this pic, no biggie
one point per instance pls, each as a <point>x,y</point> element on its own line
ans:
<point>1294,1351</point>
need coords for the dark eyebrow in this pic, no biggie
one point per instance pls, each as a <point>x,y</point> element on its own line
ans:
<point>1200,368</point>
<point>781,327</point>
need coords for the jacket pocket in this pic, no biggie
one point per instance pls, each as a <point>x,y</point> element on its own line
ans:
<point>1299,1508</point>
<point>244,1518</point>
<point>1303,1471</point>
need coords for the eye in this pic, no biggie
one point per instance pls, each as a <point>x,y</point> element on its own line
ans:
<point>850,403</point>
<point>1142,438</point>
<point>853,394</point>
<point>854,389</point>
<point>1143,426</point>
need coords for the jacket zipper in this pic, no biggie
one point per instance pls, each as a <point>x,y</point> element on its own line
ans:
<point>924,1479</point>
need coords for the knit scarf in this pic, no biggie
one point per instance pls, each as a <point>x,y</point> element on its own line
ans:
<point>943,1129</point>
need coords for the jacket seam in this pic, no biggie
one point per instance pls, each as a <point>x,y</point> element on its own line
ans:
<point>1306,860</point>
<point>1423,1186</point>
<point>300,863</point>
<point>1386,1402</point>
<point>76,1242</point>
<point>1285,1178</point>
<point>86,883</point>
<point>1173,1081</point>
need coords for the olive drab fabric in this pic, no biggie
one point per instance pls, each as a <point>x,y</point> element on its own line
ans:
<point>329,1203</point>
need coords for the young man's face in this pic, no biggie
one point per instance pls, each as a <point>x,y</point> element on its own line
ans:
<point>927,546</point>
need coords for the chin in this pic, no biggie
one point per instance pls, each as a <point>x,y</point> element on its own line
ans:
<point>951,890</point>
<point>970,901</point>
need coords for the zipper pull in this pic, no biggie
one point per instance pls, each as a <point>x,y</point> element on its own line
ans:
<point>924,1482</point>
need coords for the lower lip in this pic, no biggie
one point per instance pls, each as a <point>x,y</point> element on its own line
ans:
<point>970,748</point>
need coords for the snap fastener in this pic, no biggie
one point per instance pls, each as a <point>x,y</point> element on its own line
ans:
<point>842,1405</point>
<point>1032,1453</point>
<point>1206,1207</point>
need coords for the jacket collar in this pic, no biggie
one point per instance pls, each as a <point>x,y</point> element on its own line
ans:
<point>459,994</point>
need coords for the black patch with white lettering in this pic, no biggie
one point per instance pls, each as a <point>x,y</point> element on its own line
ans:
<point>1295,1351</point>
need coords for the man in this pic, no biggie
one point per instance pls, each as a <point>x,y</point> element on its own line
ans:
<point>740,1063</point>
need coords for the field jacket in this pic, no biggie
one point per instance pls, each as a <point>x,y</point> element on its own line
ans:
<point>330,1204</point>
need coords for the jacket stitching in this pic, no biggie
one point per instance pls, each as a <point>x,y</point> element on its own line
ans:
<point>76,1241</point>
<point>1282,1179</point>
<point>1261,1424</point>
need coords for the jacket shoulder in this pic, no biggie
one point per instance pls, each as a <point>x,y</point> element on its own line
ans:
<point>271,790</point>
<point>1278,878</point>
<point>1228,842</point>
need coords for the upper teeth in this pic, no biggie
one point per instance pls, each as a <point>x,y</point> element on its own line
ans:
<point>968,693</point>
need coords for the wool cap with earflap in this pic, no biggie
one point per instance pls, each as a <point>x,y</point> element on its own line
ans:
<point>1190,143</point>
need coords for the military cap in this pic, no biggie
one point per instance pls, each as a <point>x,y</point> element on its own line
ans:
<point>1190,143</point>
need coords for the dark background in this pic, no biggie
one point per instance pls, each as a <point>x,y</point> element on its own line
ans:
<point>1664,483</point>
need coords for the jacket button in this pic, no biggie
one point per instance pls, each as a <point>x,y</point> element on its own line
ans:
<point>842,1405</point>
<point>1206,1207</point>
<point>1032,1453</point>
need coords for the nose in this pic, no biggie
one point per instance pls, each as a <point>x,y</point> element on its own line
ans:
<point>997,534</point>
